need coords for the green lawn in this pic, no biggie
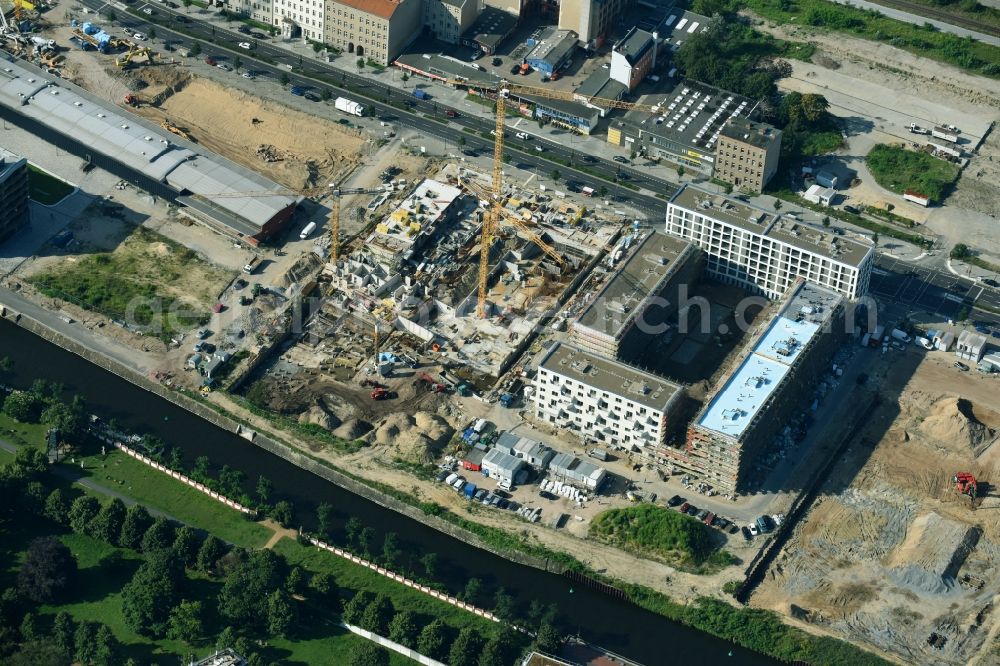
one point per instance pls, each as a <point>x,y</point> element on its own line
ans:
<point>14,432</point>
<point>899,169</point>
<point>155,489</point>
<point>45,188</point>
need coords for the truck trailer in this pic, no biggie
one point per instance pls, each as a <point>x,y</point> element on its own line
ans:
<point>349,106</point>
<point>900,335</point>
<point>308,229</point>
<point>945,133</point>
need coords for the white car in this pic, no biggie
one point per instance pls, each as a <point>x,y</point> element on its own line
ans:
<point>139,37</point>
<point>778,518</point>
<point>522,135</point>
<point>249,75</point>
<point>224,67</point>
<point>539,149</point>
<point>148,11</point>
<point>245,45</point>
<point>753,529</point>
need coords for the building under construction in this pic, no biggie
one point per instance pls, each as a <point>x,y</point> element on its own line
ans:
<point>769,381</point>
<point>652,273</point>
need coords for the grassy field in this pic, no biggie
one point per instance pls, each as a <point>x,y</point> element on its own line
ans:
<point>46,189</point>
<point>969,9</point>
<point>974,56</point>
<point>18,433</point>
<point>899,169</point>
<point>147,280</point>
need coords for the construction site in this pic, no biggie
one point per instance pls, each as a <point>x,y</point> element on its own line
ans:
<point>901,551</point>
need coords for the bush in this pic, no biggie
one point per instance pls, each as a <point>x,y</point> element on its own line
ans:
<point>656,531</point>
<point>899,170</point>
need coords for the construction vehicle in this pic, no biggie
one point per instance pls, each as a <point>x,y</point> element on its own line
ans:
<point>135,52</point>
<point>131,100</point>
<point>170,127</point>
<point>382,393</point>
<point>966,484</point>
<point>506,400</point>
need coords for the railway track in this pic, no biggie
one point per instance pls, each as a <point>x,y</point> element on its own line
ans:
<point>945,16</point>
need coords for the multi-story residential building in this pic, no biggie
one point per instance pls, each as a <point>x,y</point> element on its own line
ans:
<point>258,10</point>
<point>297,18</point>
<point>633,57</point>
<point>13,193</point>
<point>604,400</point>
<point>448,19</point>
<point>638,297</point>
<point>375,29</point>
<point>761,250</point>
<point>592,20</point>
<point>746,154</point>
<point>773,377</point>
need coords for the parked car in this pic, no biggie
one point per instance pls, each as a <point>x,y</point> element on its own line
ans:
<point>513,506</point>
<point>249,75</point>
<point>496,62</point>
<point>245,29</point>
<point>503,503</point>
<point>620,159</point>
<point>961,366</point>
<point>443,474</point>
<point>139,37</point>
<point>752,527</point>
<point>684,507</point>
<point>990,282</point>
<point>148,11</point>
<point>702,514</point>
<point>539,148</point>
<point>851,209</point>
<point>480,494</point>
<point>470,153</point>
<point>451,113</point>
<point>693,510</point>
<point>224,67</point>
<point>590,159</point>
<point>502,493</point>
<point>209,60</point>
<point>258,35</point>
<point>675,500</point>
<point>544,494</point>
<point>312,97</point>
<point>708,518</point>
<point>746,533</point>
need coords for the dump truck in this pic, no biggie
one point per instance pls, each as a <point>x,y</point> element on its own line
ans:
<point>349,106</point>
<point>251,265</point>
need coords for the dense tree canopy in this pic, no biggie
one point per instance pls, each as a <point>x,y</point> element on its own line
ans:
<point>251,581</point>
<point>48,570</point>
<point>154,590</point>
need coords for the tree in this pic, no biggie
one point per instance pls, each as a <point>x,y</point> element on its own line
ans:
<point>202,469</point>
<point>355,608</point>
<point>404,629</point>
<point>280,613</point>
<point>960,251</point>
<point>154,590</point>
<point>28,462</point>
<point>470,594</point>
<point>107,524</point>
<point>29,627</point>
<point>325,94</point>
<point>69,419</point>
<point>826,220</point>
<point>85,642</point>
<point>466,648</point>
<point>360,63</point>
<point>107,648</point>
<point>137,521</point>
<point>284,513</point>
<point>186,622</point>
<point>680,171</point>
<point>81,512</point>
<point>250,582</point>
<point>231,481</point>
<point>777,204</point>
<point>378,615</point>
<point>159,536</point>
<point>195,50</point>
<point>264,490</point>
<point>365,539</point>
<point>187,3</point>
<point>212,549</point>
<point>324,516</point>
<point>285,79</point>
<point>22,406</point>
<point>63,630</point>
<point>555,175</point>
<point>237,64</point>
<point>39,652</point>
<point>368,654</point>
<point>176,462</point>
<point>433,639</point>
<point>390,548</point>
<point>875,239</point>
<point>352,528</point>
<point>548,639</point>
<point>323,584</point>
<point>32,500</point>
<point>295,582</point>
<point>227,637</point>
<point>152,33</point>
<point>56,507</point>
<point>186,545</point>
<point>498,651</point>
<point>503,605</point>
<point>429,562</point>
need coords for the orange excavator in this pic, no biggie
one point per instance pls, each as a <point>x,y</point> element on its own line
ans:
<point>966,484</point>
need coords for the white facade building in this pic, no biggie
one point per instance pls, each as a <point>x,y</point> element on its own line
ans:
<point>604,400</point>
<point>759,249</point>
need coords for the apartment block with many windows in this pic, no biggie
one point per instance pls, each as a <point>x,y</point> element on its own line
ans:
<point>604,400</point>
<point>746,154</point>
<point>13,193</point>
<point>761,250</point>
<point>372,29</point>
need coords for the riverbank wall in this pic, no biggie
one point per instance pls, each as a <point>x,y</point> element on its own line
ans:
<point>280,449</point>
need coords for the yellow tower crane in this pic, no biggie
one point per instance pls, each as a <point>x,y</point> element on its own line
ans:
<point>496,210</point>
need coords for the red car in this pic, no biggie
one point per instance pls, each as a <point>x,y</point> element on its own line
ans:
<point>219,307</point>
<point>210,61</point>
<point>451,114</point>
<point>684,507</point>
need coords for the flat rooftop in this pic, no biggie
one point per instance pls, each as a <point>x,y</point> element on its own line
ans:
<point>749,217</point>
<point>609,375</point>
<point>692,114</point>
<point>679,26</point>
<point>772,355</point>
<point>491,28</point>
<point>441,66</point>
<point>634,44</point>
<point>647,263</point>
<point>600,84</point>
<point>756,134</point>
<point>554,46</point>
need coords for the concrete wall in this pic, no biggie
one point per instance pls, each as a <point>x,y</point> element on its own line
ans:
<point>391,645</point>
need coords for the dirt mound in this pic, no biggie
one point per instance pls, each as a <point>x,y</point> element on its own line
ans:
<point>319,416</point>
<point>353,429</point>
<point>933,551</point>
<point>416,438</point>
<point>952,421</point>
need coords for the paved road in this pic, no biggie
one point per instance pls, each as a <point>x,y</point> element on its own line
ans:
<point>222,44</point>
<point>916,19</point>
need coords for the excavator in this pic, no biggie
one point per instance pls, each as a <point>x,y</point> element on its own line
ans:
<point>966,484</point>
<point>170,127</point>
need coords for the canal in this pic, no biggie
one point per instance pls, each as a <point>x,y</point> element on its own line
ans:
<point>615,625</point>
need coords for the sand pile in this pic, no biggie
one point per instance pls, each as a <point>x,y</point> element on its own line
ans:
<point>319,416</point>
<point>353,429</point>
<point>951,421</point>
<point>932,552</point>
<point>416,438</point>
